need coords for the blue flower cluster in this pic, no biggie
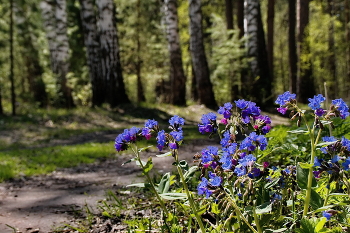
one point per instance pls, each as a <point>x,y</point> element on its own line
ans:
<point>151,127</point>
<point>233,159</point>
<point>286,100</point>
<point>335,158</point>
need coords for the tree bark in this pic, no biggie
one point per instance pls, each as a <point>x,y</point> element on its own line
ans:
<point>177,74</point>
<point>305,84</point>
<point>347,39</point>
<point>110,59</point>
<point>200,64</point>
<point>229,14</point>
<point>138,64</point>
<point>259,80</point>
<point>92,44</point>
<point>293,60</point>
<point>12,81</point>
<point>270,34</point>
<point>333,85</point>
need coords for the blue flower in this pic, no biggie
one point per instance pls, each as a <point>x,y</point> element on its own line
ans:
<point>173,145</point>
<point>247,160</point>
<point>255,172</point>
<point>161,140</point>
<point>335,159</point>
<point>251,110</point>
<point>225,141</point>
<point>315,103</point>
<point>146,132</point>
<point>226,110</point>
<point>208,121</point>
<point>242,104</point>
<point>346,143</point>
<point>341,107</point>
<point>226,161</point>
<point>177,135</point>
<point>203,188</point>
<point>231,149</point>
<point>346,164</point>
<point>176,121</point>
<point>284,98</point>
<point>317,162</point>
<point>327,215</point>
<point>214,180</point>
<point>129,135</point>
<point>240,171</point>
<point>209,153</point>
<point>151,124</point>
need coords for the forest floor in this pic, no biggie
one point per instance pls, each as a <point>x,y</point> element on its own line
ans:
<point>48,203</point>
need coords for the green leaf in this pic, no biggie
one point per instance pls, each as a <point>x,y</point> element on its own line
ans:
<point>164,184</point>
<point>215,208</point>
<point>316,200</point>
<point>140,185</point>
<point>190,172</point>
<point>129,161</point>
<point>302,177</point>
<point>183,164</point>
<point>144,148</point>
<point>165,154</point>
<point>271,184</point>
<point>298,131</point>
<point>265,219</point>
<point>305,165</point>
<point>149,165</point>
<point>320,224</point>
<point>264,208</point>
<point>308,225</point>
<point>173,196</point>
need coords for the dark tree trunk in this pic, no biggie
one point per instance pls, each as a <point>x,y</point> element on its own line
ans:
<point>110,60</point>
<point>138,65</point>
<point>293,60</point>
<point>240,17</point>
<point>200,64</point>
<point>177,74</point>
<point>260,81</point>
<point>92,44</point>
<point>270,34</point>
<point>333,85</point>
<point>229,14</point>
<point>13,95</point>
<point>347,38</point>
<point>305,83</point>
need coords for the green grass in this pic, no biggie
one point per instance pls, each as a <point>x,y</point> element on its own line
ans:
<point>45,160</point>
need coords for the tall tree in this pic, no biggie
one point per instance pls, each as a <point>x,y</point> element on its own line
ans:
<point>259,80</point>
<point>293,59</point>
<point>229,14</point>
<point>55,22</point>
<point>92,44</point>
<point>332,54</point>
<point>347,39</point>
<point>305,84</point>
<point>110,59</point>
<point>270,34</point>
<point>199,60</point>
<point>12,80</point>
<point>177,74</point>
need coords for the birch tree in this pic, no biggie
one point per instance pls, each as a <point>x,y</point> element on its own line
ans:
<point>177,75</point>
<point>110,59</point>
<point>200,65</point>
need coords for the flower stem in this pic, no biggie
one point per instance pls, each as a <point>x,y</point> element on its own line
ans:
<point>256,219</point>
<point>189,195</point>
<point>161,202</point>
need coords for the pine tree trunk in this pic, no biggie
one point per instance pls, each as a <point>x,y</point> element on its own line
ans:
<point>293,60</point>
<point>92,44</point>
<point>200,64</point>
<point>259,80</point>
<point>177,75</point>
<point>110,59</point>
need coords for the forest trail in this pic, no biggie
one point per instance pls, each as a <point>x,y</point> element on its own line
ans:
<point>44,203</point>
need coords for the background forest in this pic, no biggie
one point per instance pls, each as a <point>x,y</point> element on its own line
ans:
<point>68,53</point>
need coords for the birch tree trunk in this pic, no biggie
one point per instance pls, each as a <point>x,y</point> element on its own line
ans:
<point>92,44</point>
<point>199,60</point>
<point>110,60</point>
<point>55,23</point>
<point>259,81</point>
<point>177,75</point>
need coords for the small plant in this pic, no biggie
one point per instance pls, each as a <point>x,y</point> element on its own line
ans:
<point>240,187</point>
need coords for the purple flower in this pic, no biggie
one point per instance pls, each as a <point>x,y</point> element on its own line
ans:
<point>161,140</point>
<point>242,104</point>
<point>146,132</point>
<point>226,110</point>
<point>214,180</point>
<point>282,110</point>
<point>341,107</point>
<point>319,112</point>
<point>266,129</point>
<point>209,153</point>
<point>177,135</point>
<point>255,172</point>
<point>346,164</point>
<point>151,124</point>
<point>129,135</point>
<point>208,121</point>
<point>317,174</point>
<point>173,145</point>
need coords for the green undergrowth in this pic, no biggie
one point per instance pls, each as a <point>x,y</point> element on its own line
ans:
<point>28,162</point>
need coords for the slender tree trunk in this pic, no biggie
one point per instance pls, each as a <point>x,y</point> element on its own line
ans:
<point>110,59</point>
<point>13,95</point>
<point>270,34</point>
<point>229,14</point>
<point>333,86</point>
<point>305,84</point>
<point>293,60</point>
<point>138,65</point>
<point>92,44</point>
<point>1,108</point>
<point>259,80</point>
<point>177,74</point>
<point>240,17</point>
<point>347,39</point>
<point>200,64</point>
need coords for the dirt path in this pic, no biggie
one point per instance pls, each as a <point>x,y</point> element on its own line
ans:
<point>41,203</point>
